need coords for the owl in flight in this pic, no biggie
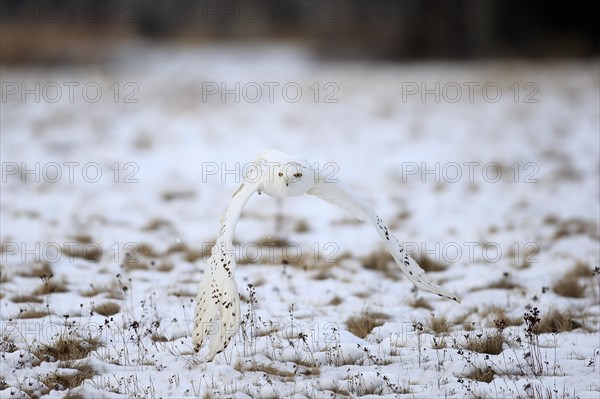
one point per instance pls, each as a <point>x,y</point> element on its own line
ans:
<point>280,175</point>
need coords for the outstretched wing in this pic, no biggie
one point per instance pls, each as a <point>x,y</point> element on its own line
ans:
<point>218,303</point>
<point>339,194</point>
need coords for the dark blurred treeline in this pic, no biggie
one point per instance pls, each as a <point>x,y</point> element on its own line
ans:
<point>63,31</point>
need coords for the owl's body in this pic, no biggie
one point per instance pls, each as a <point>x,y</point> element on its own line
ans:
<point>279,175</point>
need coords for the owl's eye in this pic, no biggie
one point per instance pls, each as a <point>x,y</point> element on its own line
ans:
<point>280,174</point>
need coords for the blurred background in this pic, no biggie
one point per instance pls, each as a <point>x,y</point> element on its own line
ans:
<point>61,32</point>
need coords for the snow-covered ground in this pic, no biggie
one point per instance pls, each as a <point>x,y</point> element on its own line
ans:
<point>115,188</point>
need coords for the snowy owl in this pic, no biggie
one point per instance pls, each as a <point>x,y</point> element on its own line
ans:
<point>280,175</point>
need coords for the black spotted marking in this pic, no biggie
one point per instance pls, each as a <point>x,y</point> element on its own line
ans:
<point>387,233</point>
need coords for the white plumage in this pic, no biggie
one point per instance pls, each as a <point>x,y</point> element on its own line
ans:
<point>280,175</point>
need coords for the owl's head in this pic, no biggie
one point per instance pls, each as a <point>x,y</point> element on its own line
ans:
<point>286,178</point>
<point>283,175</point>
<point>289,172</point>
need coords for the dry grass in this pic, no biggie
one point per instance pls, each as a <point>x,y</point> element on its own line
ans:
<point>169,196</point>
<point>7,345</point>
<point>83,238</point>
<point>157,224</point>
<point>556,322</point>
<point>39,270</point>
<point>73,394</point>
<point>523,258</point>
<point>90,252</point>
<point>421,303</point>
<point>183,293</point>
<point>323,274</point>
<point>272,242</point>
<point>381,260</point>
<point>439,343</point>
<point>259,282</point>
<point>345,221</point>
<point>193,255</point>
<point>267,330</point>
<point>362,325</point>
<point>158,338</point>
<point>268,369</point>
<point>51,287</point>
<point>377,260</point>
<point>32,314</point>
<point>66,347</point>
<point>505,283</point>
<point>144,249</point>
<point>180,248</point>
<point>582,270</point>
<point>113,291</point>
<point>571,227</point>
<point>314,371</point>
<point>469,326</point>
<point>134,263</point>
<point>302,226</point>
<point>438,325</point>
<point>165,267</point>
<point>490,343</point>
<point>336,300</point>
<point>499,318</point>
<point>481,374</point>
<point>26,299</point>
<point>430,265</point>
<point>60,380</point>
<point>569,285</point>
<point>107,308</point>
